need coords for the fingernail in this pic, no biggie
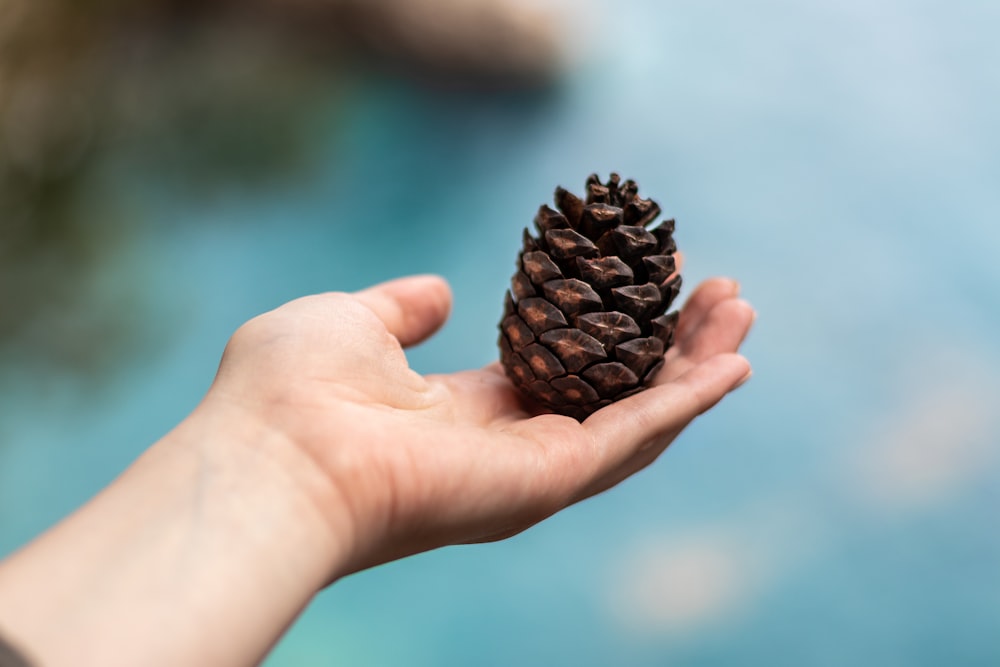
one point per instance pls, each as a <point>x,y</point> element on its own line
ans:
<point>743,380</point>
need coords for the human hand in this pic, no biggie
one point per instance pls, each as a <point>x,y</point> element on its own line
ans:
<point>318,452</point>
<point>397,463</point>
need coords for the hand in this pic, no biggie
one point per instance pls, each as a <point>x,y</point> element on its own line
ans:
<point>398,463</point>
<point>318,452</point>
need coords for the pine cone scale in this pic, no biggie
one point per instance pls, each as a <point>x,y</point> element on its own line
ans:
<point>575,349</point>
<point>540,315</point>
<point>610,327</point>
<point>540,268</point>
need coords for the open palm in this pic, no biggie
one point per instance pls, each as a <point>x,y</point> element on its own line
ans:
<point>408,463</point>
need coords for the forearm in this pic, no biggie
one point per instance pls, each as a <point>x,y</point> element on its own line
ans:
<point>202,552</point>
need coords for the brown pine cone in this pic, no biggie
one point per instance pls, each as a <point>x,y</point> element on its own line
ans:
<point>585,321</point>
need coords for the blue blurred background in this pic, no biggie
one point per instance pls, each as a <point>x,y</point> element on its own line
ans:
<point>168,173</point>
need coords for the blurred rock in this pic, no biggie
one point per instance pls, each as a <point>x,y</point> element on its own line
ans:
<point>506,42</point>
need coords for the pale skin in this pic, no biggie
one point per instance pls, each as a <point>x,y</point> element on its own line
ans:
<point>318,452</point>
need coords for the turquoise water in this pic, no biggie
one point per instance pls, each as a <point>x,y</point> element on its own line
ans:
<point>841,159</point>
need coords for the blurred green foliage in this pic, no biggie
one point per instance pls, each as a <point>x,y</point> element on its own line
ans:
<point>197,96</point>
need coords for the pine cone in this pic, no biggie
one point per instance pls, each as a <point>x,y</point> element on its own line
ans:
<point>585,321</point>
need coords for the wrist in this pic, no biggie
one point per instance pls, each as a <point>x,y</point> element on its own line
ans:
<point>202,552</point>
<point>267,488</point>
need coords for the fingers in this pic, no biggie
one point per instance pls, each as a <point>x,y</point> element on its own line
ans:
<point>642,417</point>
<point>411,308</point>
<point>723,329</point>
<point>701,302</point>
<point>635,430</point>
<point>712,321</point>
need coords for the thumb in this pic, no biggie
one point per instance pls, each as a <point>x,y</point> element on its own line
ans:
<point>411,308</point>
